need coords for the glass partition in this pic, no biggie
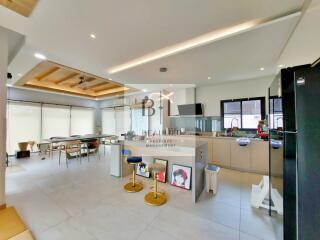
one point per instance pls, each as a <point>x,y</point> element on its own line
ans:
<point>108,121</point>
<point>123,120</point>
<point>139,121</point>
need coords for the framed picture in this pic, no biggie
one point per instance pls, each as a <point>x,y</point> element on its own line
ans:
<point>181,176</point>
<point>162,176</point>
<point>142,170</point>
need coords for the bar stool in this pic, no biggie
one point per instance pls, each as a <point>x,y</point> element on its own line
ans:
<point>133,186</point>
<point>155,198</point>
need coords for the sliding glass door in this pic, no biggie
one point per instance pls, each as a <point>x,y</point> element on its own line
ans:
<point>23,124</point>
<point>82,121</point>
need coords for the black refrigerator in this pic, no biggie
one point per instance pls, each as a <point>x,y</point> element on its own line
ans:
<point>294,159</point>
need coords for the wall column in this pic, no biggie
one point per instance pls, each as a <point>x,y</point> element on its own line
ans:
<point>3,112</point>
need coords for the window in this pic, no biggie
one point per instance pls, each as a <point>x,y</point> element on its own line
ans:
<point>82,121</point>
<point>55,121</point>
<point>28,121</point>
<point>23,124</point>
<point>243,113</point>
<point>276,116</point>
<point>232,114</point>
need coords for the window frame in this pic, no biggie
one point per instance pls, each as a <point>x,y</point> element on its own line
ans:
<point>273,111</point>
<point>262,105</point>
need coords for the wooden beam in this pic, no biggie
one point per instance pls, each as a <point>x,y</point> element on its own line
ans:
<point>81,84</point>
<point>105,88</point>
<point>66,78</point>
<point>47,73</point>
<point>98,85</point>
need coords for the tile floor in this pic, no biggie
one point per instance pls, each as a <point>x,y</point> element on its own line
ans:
<point>84,202</point>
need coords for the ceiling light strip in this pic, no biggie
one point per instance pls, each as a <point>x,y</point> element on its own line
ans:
<point>197,42</point>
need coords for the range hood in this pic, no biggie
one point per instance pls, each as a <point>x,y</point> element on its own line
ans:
<point>190,109</point>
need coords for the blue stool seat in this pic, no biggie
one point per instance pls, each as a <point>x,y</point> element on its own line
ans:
<point>126,152</point>
<point>134,159</point>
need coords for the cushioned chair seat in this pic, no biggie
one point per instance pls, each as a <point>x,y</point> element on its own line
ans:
<point>134,159</point>
<point>72,150</point>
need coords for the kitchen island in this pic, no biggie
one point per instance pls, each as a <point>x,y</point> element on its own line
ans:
<point>186,152</point>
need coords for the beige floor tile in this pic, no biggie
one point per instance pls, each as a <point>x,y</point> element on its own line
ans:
<point>85,202</point>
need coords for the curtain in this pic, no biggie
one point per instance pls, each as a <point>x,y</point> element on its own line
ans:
<point>82,121</point>
<point>23,124</point>
<point>55,121</point>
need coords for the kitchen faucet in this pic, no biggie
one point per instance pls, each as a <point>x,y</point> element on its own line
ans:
<point>277,121</point>
<point>231,126</point>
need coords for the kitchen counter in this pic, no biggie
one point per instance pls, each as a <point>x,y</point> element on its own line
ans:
<point>226,152</point>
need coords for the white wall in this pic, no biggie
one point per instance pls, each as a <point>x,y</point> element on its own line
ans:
<point>210,96</point>
<point>181,96</point>
<point>3,81</point>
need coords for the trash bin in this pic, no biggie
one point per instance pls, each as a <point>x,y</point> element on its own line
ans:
<point>211,172</point>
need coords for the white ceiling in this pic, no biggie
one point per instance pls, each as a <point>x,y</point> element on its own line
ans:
<point>236,58</point>
<point>304,45</point>
<point>126,30</point>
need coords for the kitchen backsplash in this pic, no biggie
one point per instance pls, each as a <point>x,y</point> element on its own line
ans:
<point>196,124</point>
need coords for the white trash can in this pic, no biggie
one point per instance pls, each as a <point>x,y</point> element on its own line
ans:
<point>211,172</point>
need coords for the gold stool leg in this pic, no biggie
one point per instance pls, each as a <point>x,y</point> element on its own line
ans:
<point>133,186</point>
<point>155,198</point>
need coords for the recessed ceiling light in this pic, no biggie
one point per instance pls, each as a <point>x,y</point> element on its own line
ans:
<point>262,69</point>
<point>144,90</point>
<point>209,78</point>
<point>40,56</point>
<point>93,36</point>
<point>189,44</point>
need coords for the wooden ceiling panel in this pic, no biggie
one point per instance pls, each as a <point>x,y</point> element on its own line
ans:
<point>46,74</point>
<point>23,7</point>
<point>66,78</point>
<point>54,77</point>
<point>98,85</point>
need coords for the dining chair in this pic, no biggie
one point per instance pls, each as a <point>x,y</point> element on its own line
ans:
<point>71,149</point>
<point>55,146</point>
<point>90,145</point>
